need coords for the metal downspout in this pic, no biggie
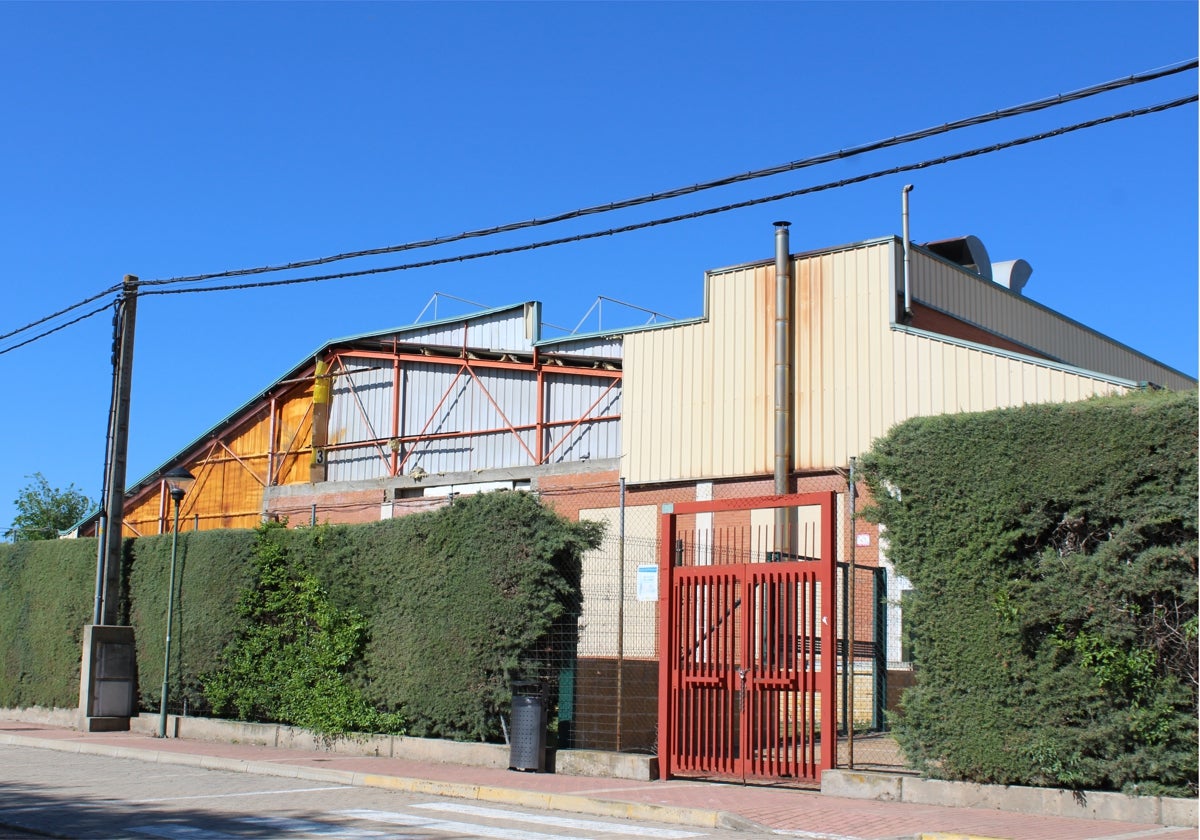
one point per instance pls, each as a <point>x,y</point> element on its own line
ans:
<point>908,313</point>
<point>783,381</point>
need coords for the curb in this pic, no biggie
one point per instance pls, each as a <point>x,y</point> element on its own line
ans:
<point>610,808</point>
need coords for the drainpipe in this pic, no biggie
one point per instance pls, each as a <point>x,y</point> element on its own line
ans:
<point>908,313</point>
<point>783,380</point>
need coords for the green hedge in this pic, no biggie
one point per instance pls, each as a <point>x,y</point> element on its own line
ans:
<point>47,592</point>
<point>212,569</point>
<point>457,602</point>
<point>482,586</point>
<point>1053,555</point>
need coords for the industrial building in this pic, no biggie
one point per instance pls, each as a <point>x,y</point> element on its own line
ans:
<point>613,426</point>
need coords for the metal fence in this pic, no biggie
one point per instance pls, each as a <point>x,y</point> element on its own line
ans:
<point>602,677</point>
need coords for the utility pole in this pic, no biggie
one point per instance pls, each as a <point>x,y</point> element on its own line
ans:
<point>106,672</point>
<point>114,485</point>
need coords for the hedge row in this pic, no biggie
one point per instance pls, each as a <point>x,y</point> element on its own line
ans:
<point>1053,555</point>
<point>457,603</point>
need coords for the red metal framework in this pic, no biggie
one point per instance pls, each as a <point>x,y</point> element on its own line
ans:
<point>467,366</point>
<point>747,665</point>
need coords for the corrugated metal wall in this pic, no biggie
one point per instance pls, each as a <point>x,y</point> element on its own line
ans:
<point>981,302</point>
<point>699,397</point>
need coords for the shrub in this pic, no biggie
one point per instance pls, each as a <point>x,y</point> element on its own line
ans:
<point>289,662</point>
<point>1053,553</point>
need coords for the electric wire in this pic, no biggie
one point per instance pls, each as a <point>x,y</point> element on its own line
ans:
<point>853,151</point>
<point>1036,105</point>
<point>70,308</point>
<point>53,330</point>
<point>857,179</point>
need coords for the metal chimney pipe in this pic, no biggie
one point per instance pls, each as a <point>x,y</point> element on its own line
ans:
<point>907,252</point>
<point>783,379</point>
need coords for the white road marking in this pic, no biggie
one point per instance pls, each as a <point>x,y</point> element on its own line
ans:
<point>233,795</point>
<point>558,822</point>
<point>461,828</point>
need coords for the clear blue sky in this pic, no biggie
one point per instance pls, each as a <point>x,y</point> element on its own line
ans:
<point>167,139</point>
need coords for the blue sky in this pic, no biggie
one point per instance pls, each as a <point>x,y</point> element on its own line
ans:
<point>168,139</point>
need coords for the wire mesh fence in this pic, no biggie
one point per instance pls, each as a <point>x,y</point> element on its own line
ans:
<point>605,668</point>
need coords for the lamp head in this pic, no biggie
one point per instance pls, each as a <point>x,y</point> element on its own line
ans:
<point>179,480</point>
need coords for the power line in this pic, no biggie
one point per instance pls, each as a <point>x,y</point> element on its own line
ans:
<point>70,308</point>
<point>853,151</point>
<point>858,179</point>
<point>1036,105</point>
<point>62,326</point>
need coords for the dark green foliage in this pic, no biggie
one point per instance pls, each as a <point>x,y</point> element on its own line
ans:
<point>212,569</point>
<point>428,616</point>
<point>47,592</point>
<point>43,511</point>
<point>290,660</point>
<point>1053,551</point>
<point>469,601</point>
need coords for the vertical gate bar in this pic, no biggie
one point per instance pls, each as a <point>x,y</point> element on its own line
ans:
<point>668,652</point>
<point>829,561</point>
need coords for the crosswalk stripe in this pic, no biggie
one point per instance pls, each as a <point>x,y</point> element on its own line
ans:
<point>465,829</point>
<point>558,822</point>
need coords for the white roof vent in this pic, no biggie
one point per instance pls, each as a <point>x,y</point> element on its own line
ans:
<point>1012,274</point>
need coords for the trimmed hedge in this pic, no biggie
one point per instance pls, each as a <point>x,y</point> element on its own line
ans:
<point>212,569</point>
<point>483,586</point>
<point>1053,555</point>
<point>47,595</point>
<point>456,603</point>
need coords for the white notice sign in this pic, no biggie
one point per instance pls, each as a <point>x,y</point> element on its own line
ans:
<point>647,583</point>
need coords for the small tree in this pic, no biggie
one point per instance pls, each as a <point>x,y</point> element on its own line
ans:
<point>43,511</point>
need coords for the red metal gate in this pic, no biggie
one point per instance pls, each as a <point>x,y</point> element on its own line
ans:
<point>746,670</point>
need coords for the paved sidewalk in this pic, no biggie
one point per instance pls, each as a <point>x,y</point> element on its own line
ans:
<point>756,809</point>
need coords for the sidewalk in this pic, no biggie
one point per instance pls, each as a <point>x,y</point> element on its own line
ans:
<point>755,809</point>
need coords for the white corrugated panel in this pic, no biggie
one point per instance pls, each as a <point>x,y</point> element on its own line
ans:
<point>965,295</point>
<point>569,398</point>
<point>360,409</point>
<point>508,329</point>
<point>600,347</point>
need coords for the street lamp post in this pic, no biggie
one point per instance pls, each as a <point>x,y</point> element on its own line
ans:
<point>178,480</point>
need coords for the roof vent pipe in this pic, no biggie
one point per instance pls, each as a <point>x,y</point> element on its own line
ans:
<point>908,313</point>
<point>783,378</point>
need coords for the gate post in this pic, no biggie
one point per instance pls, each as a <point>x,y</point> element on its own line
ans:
<point>666,671</point>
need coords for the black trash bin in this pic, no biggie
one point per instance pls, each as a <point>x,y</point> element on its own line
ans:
<point>527,735</point>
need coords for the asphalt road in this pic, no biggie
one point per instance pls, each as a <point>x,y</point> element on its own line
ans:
<point>86,797</point>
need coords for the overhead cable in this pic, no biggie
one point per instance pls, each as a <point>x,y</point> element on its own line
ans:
<point>53,330</point>
<point>900,139</point>
<point>70,308</point>
<point>926,164</point>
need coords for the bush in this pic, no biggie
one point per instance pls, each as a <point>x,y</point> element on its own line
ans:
<point>289,662</point>
<point>471,600</point>
<point>1053,554</point>
<point>47,595</point>
<point>211,569</point>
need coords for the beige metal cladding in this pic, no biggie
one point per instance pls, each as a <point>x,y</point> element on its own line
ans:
<point>700,403</point>
<point>857,374</point>
<point>983,303</point>
<point>699,396</point>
